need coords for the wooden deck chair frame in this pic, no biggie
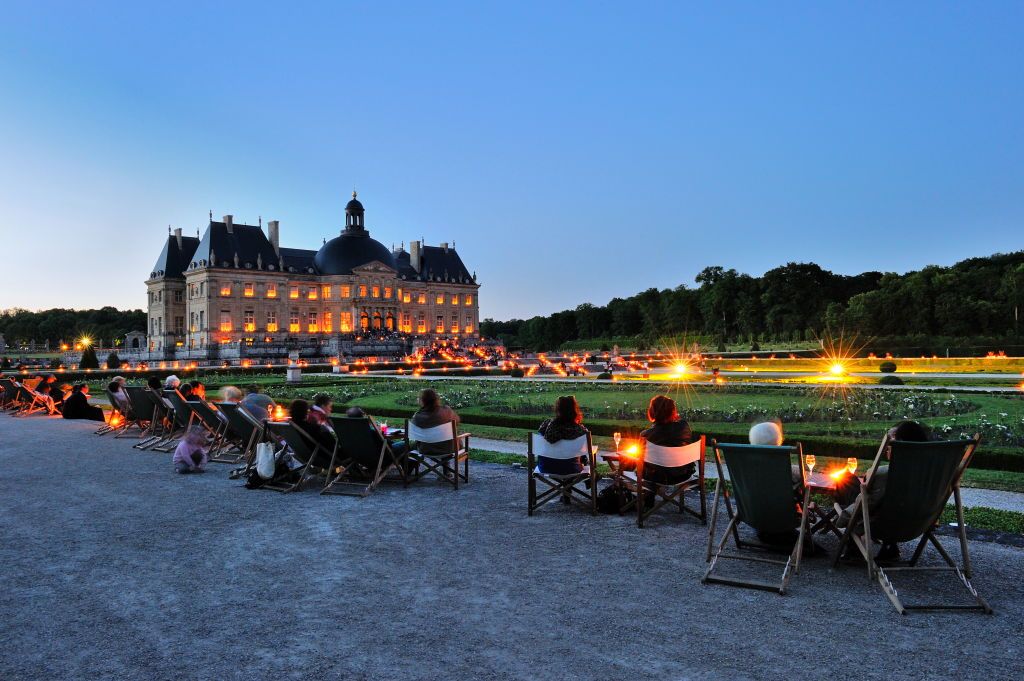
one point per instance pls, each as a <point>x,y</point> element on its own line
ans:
<point>159,423</point>
<point>179,416</point>
<point>206,416</point>
<point>127,415</point>
<point>372,464</point>
<point>561,486</point>
<point>15,401</point>
<point>444,465</point>
<point>235,442</point>
<point>859,531</point>
<point>784,493</point>
<point>9,394</point>
<point>303,447</point>
<point>32,402</point>
<point>674,494</point>
<point>250,432</point>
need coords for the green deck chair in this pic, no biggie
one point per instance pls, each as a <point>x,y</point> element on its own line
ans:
<point>180,418</point>
<point>762,484</point>
<point>920,479</point>
<point>363,459</point>
<point>242,433</point>
<point>161,424</point>
<point>313,456</point>
<point>206,414</point>
<point>140,412</point>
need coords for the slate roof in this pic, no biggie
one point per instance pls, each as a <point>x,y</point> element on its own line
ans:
<point>439,264</point>
<point>173,260</point>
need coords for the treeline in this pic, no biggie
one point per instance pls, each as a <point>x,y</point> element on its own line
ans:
<point>107,323</point>
<point>979,297</point>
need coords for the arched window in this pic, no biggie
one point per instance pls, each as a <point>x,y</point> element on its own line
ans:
<point>376,320</point>
<point>389,322</point>
<point>364,321</point>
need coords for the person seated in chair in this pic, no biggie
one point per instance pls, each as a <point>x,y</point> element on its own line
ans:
<point>906,431</point>
<point>196,391</point>
<point>667,429</point>
<point>256,403</point>
<point>431,414</point>
<point>769,434</point>
<point>320,412</point>
<point>77,406</point>
<point>301,419</point>
<point>154,384</point>
<point>42,391</point>
<point>171,382</point>
<point>120,397</point>
<point>566,424</point>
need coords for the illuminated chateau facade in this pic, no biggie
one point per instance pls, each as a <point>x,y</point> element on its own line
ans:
<point>237,292</point>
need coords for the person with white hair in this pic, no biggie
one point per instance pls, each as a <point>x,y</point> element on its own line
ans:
<point>171,382</point>
<point>767,434</point>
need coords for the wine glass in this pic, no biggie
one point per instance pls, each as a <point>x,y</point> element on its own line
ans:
<point>809,460</point>
<point>384,427</point>
<point>851,465</point>
<point>618,438</point>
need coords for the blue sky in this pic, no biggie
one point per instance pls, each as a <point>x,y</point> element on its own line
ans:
<point>574,152</point>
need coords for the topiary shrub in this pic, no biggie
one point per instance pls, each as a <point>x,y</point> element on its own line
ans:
<point>887,367</point>
<point>113,361</point>
<point>604,376</point>
<point>517,372</point>
<point>890,380</point>
<point>89,359</point>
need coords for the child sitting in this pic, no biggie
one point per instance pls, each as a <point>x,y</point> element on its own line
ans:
<point>190,455</point>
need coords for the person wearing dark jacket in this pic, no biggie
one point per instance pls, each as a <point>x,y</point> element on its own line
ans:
<point>432,413</point>
<point>566,424</point>
<point>301,419</point>
<point>667,429</point>
<point>77,406</point>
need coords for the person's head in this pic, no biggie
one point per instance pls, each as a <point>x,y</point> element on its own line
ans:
<point>120,380</point>
<point>230,393</point>
<point>909,431</point>
<point>51,378</point>
<point>77,388</point>
<point>567,410</point>
<point>662,409</point>
<point>185,389</point>
<point>355,412</point>
<point>171,382</point>
<point>154,383</point>
<point>43,388</point>
<point>252,389</point>
<point>767,434</point>
<point>299,410</point>
<point>85,389</point>
<point>196,437</point>
<point>114,387</point>
<point>197,388</point>
<point>429,399</point>
<point>324,401</point>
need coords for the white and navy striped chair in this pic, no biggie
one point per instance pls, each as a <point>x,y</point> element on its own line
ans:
<point>561,486</point>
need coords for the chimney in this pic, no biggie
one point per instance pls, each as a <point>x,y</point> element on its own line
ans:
<point>415,256</point>
<point>274,233</point>
<point>177,235</point>
<point>444,246</point>
<point>229,222</point>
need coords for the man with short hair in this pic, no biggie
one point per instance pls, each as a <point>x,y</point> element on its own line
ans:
<point>256,403</point>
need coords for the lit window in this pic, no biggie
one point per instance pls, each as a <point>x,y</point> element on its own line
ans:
<point>249,321</point>
<point>387,291</point>
<point>439,327</point>
<point>293,322</point>
<point>421,326</point>
<point>406,297</point>
<point>250,290</point>
<point>271,321</point>
<point>362,290</point>
<point>455,324</point>
<point>328,325</point>
<point>376,291</point>
<point>469,328</point>
<point>225,320</point>
<point>326,293</point>
<point>225,289</point>
<point>346,322</point>
<point>455,300</point>
<point>311,323</point>
<point>469,300</point>
<point>312,294</point>
<point>294,293</point>
<point>271,327</point>
<point>421,298</point>
<point>440,299</point>
<point>271,290</point>
<point>346,291</point>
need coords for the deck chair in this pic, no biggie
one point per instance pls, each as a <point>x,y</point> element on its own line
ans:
<point>363,458</point>
<point>443,464</point>
<point>206,415</point>
<point>246,431</point>
<point>762,483</point>
<point>30,402</point>
<point>920,479</point>
<point>124,417</point>
<point>561,486</point>
<point>8,391</point>
<point>669,457</point>
<point>141,412</point>
<point>179,416</point>
<point>162,422</point>
<point>307,451</point>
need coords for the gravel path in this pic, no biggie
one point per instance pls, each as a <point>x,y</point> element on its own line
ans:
<point>114,567</point>
<point>989,498</point>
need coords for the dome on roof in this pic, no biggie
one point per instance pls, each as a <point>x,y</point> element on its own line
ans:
<point>353,206</point>
<point>351,249</point>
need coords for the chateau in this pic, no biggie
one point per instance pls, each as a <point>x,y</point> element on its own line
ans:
<point>236,292</point>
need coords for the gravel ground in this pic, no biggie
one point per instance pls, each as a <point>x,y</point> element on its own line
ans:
<point>114,567</point>
<point>972,496</point>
